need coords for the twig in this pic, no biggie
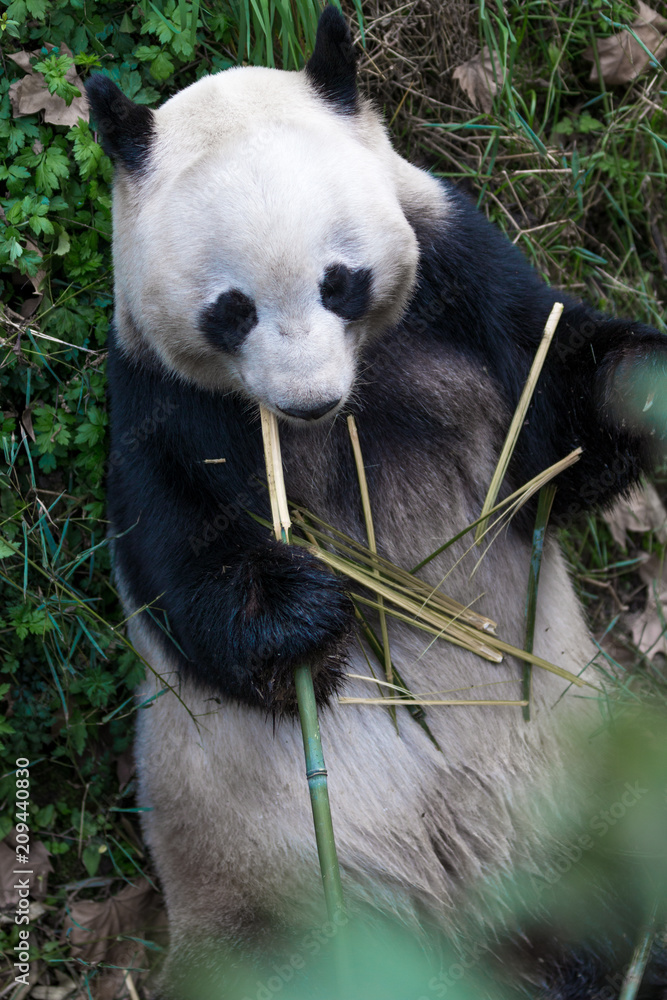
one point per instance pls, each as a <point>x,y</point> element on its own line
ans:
<point>606,585</point>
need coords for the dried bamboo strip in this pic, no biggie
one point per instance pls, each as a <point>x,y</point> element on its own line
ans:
<point>370,534</point>
<point>520,414</point>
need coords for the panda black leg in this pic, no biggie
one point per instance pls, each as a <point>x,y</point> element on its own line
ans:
<point>588,982</point>
<point>587,974</point>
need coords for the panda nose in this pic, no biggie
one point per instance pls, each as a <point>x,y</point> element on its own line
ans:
<point>312,414</point>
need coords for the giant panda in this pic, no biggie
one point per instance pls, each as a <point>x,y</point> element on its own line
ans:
<point>270,247</point>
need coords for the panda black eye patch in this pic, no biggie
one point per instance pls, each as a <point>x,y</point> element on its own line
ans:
<point>346,292</point>
<point>226,322</point>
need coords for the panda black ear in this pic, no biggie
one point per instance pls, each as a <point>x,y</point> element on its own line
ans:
<point>126,128</point>
<point>332,67</point>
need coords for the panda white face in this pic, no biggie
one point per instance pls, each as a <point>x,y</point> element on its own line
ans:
<point>264,240</point>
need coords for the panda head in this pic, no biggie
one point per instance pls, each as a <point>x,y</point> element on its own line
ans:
<point>261,227</point>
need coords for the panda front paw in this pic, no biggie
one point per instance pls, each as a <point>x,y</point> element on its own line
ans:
<point>603,389</point>
<point>289,609</point>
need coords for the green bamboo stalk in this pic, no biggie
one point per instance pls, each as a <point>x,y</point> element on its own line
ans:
<point>316,772</point>
<point>544,504</point>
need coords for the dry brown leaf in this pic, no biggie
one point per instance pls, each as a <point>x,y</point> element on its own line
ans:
<point>620,653</point>
<point>621,56</point>
<point>125,766</point>
<point>111,984</point>
<point>31,94</point>
<point>63,988</point>
<point>29,305</point>
<point>26,420</point>
<point>481,77</point>
<point>647,627</point>
<point>40,866</point>
<point>92,928</point>
<point>642,511</point>
<point>645,15</point>
<point>36,911</point>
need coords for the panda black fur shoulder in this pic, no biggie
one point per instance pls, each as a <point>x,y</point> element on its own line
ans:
<point>271,247</point>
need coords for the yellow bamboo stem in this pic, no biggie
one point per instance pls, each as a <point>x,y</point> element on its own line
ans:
<point>370,534</point>
<point>428,701</point>
<point>274,475</point>
<point>519,415</point>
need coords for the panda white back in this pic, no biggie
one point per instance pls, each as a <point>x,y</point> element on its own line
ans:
<point>270,247</point>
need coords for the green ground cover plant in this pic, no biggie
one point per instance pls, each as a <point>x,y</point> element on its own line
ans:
<point>573,168</point>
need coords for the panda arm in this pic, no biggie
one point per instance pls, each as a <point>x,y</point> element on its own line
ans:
<point>236,610</point>
<point>247,618</point>
<point>479,293</point>
<point>599,375</point>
